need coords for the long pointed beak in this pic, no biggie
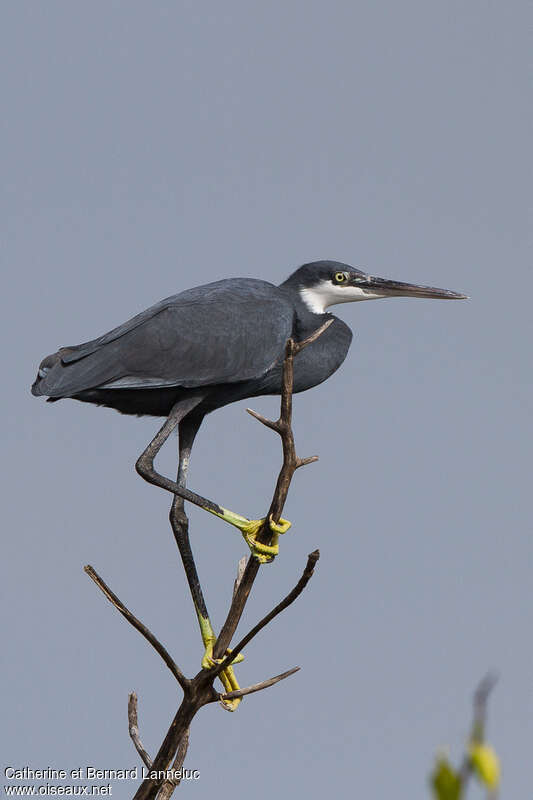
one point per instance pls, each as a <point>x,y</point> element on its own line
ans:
<point>389,288</point>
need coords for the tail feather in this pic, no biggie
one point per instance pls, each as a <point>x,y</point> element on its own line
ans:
<point>55,378</point>
<point>41,385</point>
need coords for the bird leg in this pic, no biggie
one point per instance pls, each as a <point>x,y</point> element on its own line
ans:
<point>248,527</point>
<point>188,428</point>
<point>180,525</point>
<point>145,462</point>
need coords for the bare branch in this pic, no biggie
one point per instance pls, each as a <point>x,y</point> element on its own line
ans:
<point>179,727</point>
<point>138,625</point>
<point>312,558</point>
<point>133,726</point>
<point>481,697</point>
<point>168,787</point>
<point>477,735</point>
<point>241,566</point>
<point>302,462</point>
<point>298,346</point>
<point>257,687</point>
<point>264,420</point>
<point>292,349</point>
<point>199,691</point>
<point>291,463</point>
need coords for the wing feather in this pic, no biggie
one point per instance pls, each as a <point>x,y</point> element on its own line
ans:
<point>224,332</point>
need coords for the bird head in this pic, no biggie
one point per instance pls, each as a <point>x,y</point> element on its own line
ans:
<point>325,283</point>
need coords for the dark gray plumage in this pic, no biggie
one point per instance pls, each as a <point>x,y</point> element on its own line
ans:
<point>229,335</point>
<point>178,343</point>
<point>226,337</point>
<point>209,346</point>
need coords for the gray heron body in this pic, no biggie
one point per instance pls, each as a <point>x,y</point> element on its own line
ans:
<point>221,342</point>
<point>209,346</point>
<point>212,345</point>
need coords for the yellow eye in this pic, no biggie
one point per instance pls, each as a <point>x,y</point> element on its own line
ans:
<point>340,277</point>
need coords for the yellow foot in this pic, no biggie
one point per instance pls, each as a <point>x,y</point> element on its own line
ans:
<point>227,676</point>
<point>250,528</point>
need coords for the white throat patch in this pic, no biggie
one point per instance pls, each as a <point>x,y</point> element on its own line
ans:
<point>326,294</point>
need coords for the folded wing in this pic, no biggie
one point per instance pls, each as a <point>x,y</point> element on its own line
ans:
<point>224,332</point>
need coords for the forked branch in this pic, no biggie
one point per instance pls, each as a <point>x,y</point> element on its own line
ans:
<point>307,574</point>
<point>199,691</point>
<point>291,462</point>
<point>257,687</point>
<point>133,726</point>
<point>138,625</point>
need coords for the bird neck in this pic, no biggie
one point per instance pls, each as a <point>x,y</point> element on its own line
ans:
<point>306,320</point>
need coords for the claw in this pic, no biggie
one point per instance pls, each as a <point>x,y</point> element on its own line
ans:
<point>279,527</point>
<point>208,661</point>
<point>227,676</point>
<point>249,528</point>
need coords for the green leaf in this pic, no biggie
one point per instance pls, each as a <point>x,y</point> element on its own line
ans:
<point>445,781</point>
<point>485,764</point>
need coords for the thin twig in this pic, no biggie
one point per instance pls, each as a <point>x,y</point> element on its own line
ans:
<point>138,625</point>
<point>302,462</point>
<point>477,735</point>
<point>312,558</point>
<point>481,697</point>
<point>264,420</point>
<point>133,726</point>
<point>257,687</point>
<point>241,566</point>
<point>297,346</point>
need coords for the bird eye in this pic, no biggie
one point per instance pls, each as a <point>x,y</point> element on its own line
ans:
<point>340,277</point>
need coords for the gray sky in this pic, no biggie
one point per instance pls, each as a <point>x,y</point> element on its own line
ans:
<point>152,147</point>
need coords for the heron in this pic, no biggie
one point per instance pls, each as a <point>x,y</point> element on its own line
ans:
<point>199,350</point>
